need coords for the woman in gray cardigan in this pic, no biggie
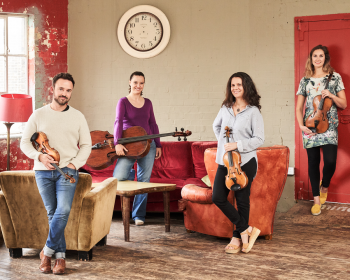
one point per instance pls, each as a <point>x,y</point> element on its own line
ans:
<point>240,111</point>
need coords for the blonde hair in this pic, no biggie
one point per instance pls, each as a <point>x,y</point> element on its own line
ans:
<point>310,68</point>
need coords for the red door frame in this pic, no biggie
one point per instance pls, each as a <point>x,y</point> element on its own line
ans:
<point>301,28</point>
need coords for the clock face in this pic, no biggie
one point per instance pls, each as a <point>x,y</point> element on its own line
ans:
<point>143,31</point>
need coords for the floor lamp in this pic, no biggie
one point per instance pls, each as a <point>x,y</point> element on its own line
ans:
<point>14,108</point>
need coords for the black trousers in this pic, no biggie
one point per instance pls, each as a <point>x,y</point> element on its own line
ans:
<point>238,217</point>
<point>329,160</point>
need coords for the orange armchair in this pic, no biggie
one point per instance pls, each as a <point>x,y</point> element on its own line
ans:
<point>202,215</point>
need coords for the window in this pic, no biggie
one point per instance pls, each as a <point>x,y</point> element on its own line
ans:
<point>13,59</point>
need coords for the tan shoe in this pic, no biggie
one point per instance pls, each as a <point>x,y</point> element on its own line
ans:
<point>232,248</point>
<point>60,266</point>
<point>45,264</point>
<point>253,235</point>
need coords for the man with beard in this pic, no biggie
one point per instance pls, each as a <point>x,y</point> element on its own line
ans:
<point>67,132</point>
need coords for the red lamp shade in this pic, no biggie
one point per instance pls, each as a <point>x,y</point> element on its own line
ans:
<point>15,107</point>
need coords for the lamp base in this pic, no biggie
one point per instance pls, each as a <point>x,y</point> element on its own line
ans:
<point>8,125</point>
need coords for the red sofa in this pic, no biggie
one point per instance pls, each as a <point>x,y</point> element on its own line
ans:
<point>181,163</point>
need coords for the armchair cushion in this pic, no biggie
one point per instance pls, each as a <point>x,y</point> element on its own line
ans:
<point>197,194</point>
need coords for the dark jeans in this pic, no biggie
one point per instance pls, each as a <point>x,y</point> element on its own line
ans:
<point>329,160</point>
<point>239,218</point>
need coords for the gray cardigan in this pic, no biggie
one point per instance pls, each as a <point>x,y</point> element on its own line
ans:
<point>247,130</point>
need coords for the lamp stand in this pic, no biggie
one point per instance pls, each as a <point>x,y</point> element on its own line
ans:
<point>8,125</point>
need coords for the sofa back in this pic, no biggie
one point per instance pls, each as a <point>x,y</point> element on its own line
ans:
<point>179,160</point>
<point>175,162</point>
<point>198,149</point>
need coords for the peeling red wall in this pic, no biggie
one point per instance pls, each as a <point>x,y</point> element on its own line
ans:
<point>50,58</point>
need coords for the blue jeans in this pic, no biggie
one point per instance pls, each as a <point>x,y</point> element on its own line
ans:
<point>57,194</point>
<point>123,171</point>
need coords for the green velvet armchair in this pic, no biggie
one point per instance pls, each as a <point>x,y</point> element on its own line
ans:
<point>24,221</point>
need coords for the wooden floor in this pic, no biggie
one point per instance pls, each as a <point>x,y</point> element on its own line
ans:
<point>303,247</point>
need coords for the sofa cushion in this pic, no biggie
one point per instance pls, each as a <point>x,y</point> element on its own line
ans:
<point>175,162</point>
<point>195,181</point>
<point>198,149</point>
<point>174,195</point>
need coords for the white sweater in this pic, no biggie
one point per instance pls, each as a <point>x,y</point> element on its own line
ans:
<point>64,130</point>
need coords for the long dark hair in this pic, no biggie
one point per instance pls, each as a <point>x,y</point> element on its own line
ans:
<point>310,68</point>
<point>250,94</point>
<point>136,73</point>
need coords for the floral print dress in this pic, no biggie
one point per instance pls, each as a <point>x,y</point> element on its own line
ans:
<point>311,87</point>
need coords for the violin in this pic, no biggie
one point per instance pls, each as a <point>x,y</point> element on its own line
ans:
<point>134,139</point>
<point>41,143</point>
<point>317,122</point>
<point>236,179</point>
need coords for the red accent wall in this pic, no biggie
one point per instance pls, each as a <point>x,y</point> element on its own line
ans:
<point>50,49</point>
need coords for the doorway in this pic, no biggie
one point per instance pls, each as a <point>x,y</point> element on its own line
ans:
<point>332,31</point>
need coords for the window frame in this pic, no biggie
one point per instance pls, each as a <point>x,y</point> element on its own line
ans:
<point>7,53</point>
<point>17,127</point>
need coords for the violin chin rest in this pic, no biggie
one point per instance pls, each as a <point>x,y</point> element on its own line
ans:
<point>235,187</point>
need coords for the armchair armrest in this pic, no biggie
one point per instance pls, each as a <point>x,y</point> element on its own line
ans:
<point>8,231</point>
<point>96,215</point>
<point>197,194</point>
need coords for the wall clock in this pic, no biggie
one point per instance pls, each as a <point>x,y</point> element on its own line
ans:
<point>143,31</point>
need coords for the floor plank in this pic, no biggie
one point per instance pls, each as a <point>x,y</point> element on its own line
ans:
<point>303,247</point>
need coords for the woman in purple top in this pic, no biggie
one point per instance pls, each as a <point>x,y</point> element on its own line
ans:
<point>134,110</point>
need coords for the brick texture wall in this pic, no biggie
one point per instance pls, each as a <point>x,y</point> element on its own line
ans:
<point>209,41</point>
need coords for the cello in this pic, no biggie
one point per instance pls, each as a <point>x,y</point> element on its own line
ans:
<point>318,121</point>
<point>236,179</point>
<point>41,143</point>
<point>134,139</point>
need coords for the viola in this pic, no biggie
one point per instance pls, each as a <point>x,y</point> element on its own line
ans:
<point>134,139</point>
<point>317,122</point>
<point>41,143</point>
<point>236,179</point>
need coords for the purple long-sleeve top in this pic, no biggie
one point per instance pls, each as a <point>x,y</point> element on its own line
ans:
<point>127,116</point>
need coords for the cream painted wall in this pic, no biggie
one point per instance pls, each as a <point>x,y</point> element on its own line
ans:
<point>210,40</point>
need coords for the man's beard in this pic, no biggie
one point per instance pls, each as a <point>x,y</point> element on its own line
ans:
<point>61,103</point>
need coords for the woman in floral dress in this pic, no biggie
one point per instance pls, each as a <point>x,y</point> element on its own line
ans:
<point>317,71</point>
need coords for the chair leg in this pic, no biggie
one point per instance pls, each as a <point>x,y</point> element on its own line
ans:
<point>85,255</point>
<point>268,237</point>
<point>15,252</point>
<point>102,242</point>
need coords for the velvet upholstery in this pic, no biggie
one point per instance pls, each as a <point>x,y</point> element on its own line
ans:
<point>201,215</point>
<point>181,163</point>
<point>24,220</point>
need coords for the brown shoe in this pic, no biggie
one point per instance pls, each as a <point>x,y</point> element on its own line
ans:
<point>45,265</point>
<point>60,266</point>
